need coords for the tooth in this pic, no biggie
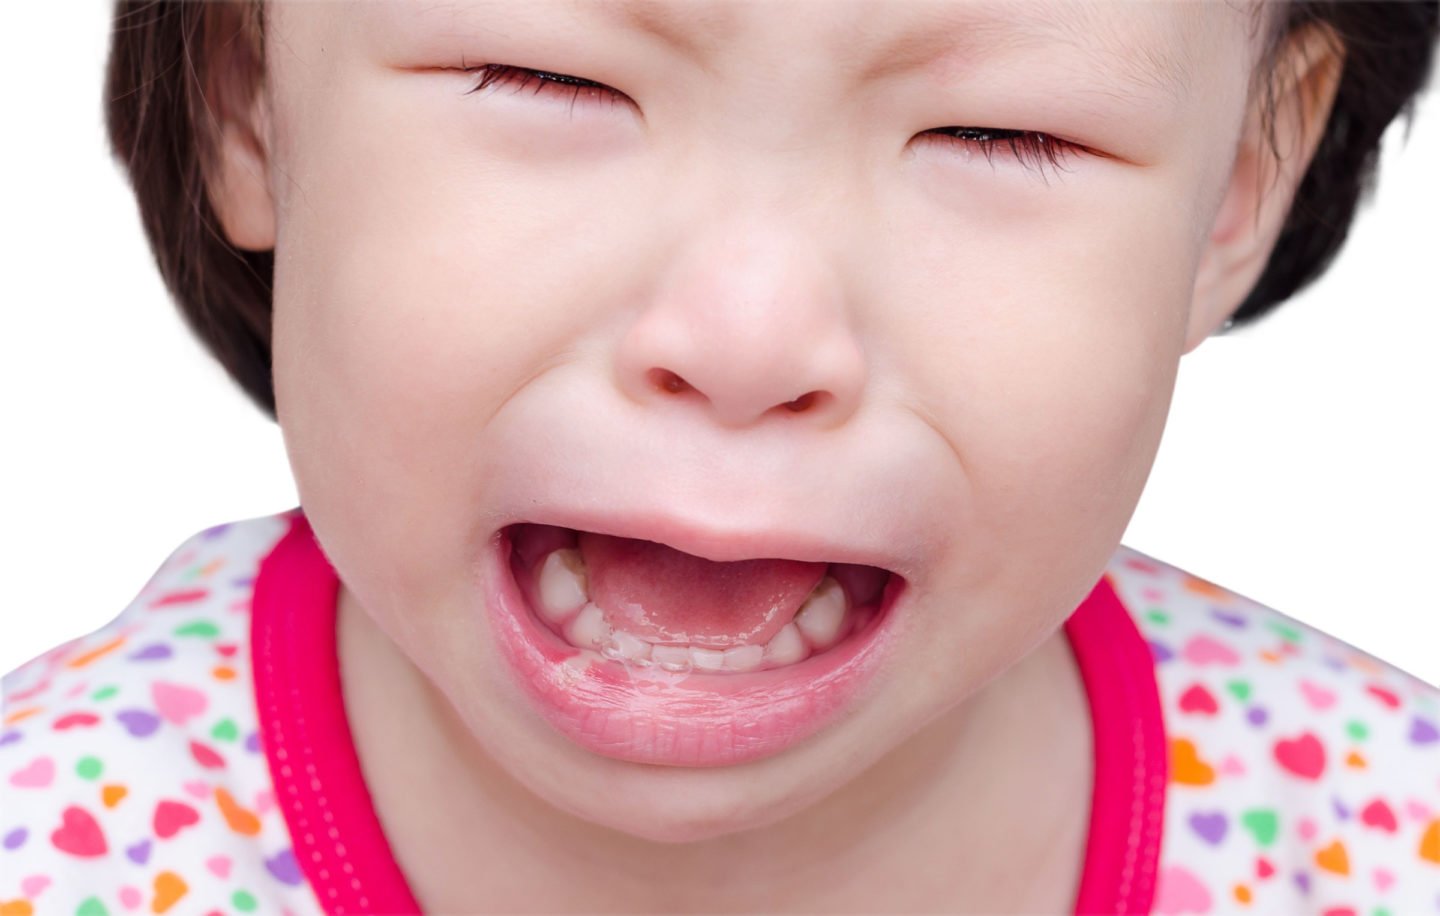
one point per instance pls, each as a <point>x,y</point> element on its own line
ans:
<point>562,585</point>
<point>589,629</point>
<point>672,658</point>
<point>822,614</point>
<point>786,647</point>
<point>626,646</point>
<point>707,659</point>
<point>744,658</point>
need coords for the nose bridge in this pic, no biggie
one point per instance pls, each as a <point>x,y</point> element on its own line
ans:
<point>749,317</point>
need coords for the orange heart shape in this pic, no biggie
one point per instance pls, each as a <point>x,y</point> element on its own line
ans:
<point>1355,760</point>
<point>16,908</point>
<point>241,821</point>
<point>169,888</point>
<point>112,794</point>
<point>1186,767</point>
<point>1430,843</point>
<point>1333,858</point>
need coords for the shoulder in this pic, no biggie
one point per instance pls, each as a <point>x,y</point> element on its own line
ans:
<point>1303,772</point>
<point>130,762</point>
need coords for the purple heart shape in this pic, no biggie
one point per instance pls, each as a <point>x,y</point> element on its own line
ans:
<point>1228,618</point>
<point>252,743</point>
<point>1341,811</point>
<point>1337,664</point>
<point>215,532</point>
<point>138,722</point>
<point>1302,881</point>
<point>1256,715</point>
<point>9,737</point>
<point>139,853</point>
<point>1423,731</point>
<point>151,652</point>
<point>1210,825</point>
<point>14,838</point>
<point>1161,651</point>
<point>284,867</point>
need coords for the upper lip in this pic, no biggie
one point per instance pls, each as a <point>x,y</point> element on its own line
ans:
<point>716,542</point>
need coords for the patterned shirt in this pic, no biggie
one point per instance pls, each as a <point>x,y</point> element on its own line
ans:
<point>193,755</point>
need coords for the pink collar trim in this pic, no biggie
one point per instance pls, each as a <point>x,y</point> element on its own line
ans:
<point>345,856</point>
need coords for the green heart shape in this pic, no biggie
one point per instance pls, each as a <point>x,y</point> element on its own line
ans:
<point>1158,616</point>
<point>105,693</point>
<point>1263,823</point>
<point>88,768</point>
<point>1356,729</point>
<point>1240,690</point>
<point>224,730</point>
<point>92,907</point>
<point>1287,632</point>
<point>198,628</point>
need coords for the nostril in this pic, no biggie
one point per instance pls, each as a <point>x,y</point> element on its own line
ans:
<point>804,402</point>
<point>666,380</point>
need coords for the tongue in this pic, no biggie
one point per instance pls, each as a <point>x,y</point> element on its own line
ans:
<point>665,596</point>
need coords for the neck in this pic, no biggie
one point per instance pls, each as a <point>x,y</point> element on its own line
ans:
<point>934,825</point>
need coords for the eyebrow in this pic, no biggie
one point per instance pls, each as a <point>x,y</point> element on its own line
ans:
<point>958,32</point>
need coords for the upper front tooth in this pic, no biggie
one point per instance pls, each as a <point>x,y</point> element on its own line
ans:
<point>562,584</point>
<point>822,614</point>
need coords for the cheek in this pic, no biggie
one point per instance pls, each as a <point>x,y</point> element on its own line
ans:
<point>1046,351</point>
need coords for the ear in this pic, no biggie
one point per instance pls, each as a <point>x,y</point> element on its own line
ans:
<point>238,180</point>
<point>1262,182</point>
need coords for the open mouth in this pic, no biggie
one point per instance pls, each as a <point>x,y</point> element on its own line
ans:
<point>637,651</point>
<point>648,605</point>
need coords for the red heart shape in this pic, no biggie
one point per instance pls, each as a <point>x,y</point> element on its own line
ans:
<point>1384,696</point>
<point>1263,868</point>
<point>1378,814</point>
<point>171,816</point>
<point>1304,756</point>
<point>206,757</point>
<point>1198,699</point>
<point>226,649</point>
<point>79,834</point>
<point>75,719</point>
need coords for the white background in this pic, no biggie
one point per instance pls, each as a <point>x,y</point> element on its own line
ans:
<point>1299,466</point>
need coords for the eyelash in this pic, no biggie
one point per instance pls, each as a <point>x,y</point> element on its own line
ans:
<point>1030,148</point>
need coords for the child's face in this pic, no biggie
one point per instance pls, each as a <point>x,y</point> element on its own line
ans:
<point>476,295</point>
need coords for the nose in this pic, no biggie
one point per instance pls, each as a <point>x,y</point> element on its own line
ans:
<point>748,323</point>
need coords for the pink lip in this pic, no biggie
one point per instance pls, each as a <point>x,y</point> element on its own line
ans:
<point>694,720</point>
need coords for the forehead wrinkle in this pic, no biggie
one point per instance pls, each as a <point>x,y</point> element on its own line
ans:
<point>969,33</point>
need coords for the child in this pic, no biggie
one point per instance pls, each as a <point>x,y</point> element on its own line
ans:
<point>714,427</point>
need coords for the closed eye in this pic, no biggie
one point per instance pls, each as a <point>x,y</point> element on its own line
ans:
<point>544,83</point>
<point>1031,149</point>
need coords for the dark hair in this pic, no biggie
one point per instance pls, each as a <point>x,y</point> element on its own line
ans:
<point>177,67</point>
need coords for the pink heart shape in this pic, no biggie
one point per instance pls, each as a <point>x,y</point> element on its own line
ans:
<point>1383,880</point>
<point>1179,891</point>
<point>197,788</point>
<point>130,897</point>
<point>37,774</point>
<point>177,703</point>
<point>1232,766</point>
<point>1307,829</point>
<point>264,801</point>
<point>1417,810</point>
<point>219,866</point>
<point>32,885</point>
<point>1317,696</point>
<point>1205,650</point>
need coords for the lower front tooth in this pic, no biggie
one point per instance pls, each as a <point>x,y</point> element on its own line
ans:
<point>589,629</point>
<point>744,658</point>
<point>707,659</point>
<point>672,658</point>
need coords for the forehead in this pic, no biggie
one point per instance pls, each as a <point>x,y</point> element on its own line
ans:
<point>1152,45</point>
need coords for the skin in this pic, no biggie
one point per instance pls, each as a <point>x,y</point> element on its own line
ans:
<point>472,293</point>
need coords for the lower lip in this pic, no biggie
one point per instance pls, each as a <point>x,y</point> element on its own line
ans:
<point>689,720</point>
